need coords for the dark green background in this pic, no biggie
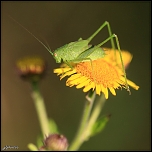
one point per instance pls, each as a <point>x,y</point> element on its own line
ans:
<point>59,23</point>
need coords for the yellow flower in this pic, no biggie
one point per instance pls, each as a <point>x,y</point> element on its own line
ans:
<point>31,68</point>
<point>104,73</point>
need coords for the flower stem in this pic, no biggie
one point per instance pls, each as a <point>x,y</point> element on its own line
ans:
<point>94,116</point>
<point>40,108</point>
<point>86,113</point>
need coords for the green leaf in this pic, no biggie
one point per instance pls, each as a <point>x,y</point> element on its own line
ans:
<point>40,140</point>
<point>32,147</point>
<point>99,125</point>
<point>53,126</point>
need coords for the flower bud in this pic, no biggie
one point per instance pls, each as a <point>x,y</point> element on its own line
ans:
<point>56,142</point>
<point>31,68</point>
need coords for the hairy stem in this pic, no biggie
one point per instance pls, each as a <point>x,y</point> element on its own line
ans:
<point>40,108</point>
<point>94,116</point>
<point>86,113</point>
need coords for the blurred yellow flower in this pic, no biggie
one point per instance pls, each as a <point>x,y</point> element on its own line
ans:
<point>105,73</point>
<point>31,68</point>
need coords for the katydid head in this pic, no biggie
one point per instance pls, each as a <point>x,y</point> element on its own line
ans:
<point>54,54</point>
<point>57,58</point>
<point>59,54</point>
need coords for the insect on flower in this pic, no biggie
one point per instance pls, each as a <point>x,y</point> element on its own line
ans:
<point>107,74</point>
<point>82,51</point>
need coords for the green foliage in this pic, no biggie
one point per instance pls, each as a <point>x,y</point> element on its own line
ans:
<point>53,126</point>
<point>99,125</point>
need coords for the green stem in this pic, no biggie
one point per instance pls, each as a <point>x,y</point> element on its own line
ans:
<point>94,116</point>
<point>86,113</point>
<point>40,108</point>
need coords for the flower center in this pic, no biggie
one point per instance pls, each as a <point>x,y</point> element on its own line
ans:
<point>100,71</point>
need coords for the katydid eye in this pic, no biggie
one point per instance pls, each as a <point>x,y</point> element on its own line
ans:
<point>55,54</point>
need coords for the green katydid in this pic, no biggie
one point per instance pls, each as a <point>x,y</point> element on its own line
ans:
<point>80,50</point>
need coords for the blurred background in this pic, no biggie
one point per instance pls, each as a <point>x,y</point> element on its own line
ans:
<point>59,23</point>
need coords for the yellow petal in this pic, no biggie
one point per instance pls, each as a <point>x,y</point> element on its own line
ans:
<point>68,83</point>
<point>112,90</point>
<point>98,89</point>
<point>83,78</point>
<point>61,70</point>
<point>74,76</point>
<point>88,87</point>
<point>105,91</point>
<point>78,80</point>
<point>83,84</point>
<point>115,85</point>
<point>67,74</point>
<point>132,84</point>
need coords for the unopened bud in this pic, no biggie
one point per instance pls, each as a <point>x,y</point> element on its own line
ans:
<point>56,142</point>
<point>31,68</point>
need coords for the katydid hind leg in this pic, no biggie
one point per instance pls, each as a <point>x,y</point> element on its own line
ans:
<point>123,67</point>
<point>98,30</point>
<point>118,47</point>
<point>110,35</point>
